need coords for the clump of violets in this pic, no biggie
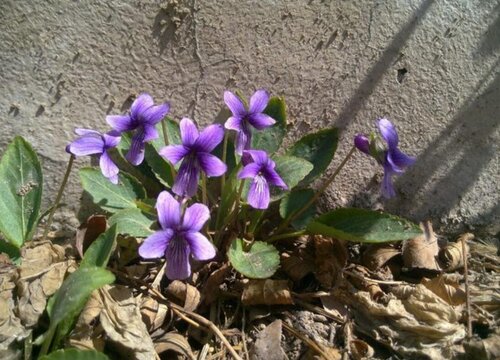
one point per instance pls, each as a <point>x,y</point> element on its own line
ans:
<point>179,237</point>
<point>261,170</point>
<point>393,160</point>
<point>91,142</point>
<point>243,119</point>
<point>143,117</point>
<point>195,153</point>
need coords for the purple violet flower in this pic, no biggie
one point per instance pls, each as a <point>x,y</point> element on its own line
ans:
<point>92,142</point>
<point>179,236</point>
<point>195,155</point>
<point>243,118</point>
<point>261,169</point>
<point>390,157</point>
<point>143,117</point>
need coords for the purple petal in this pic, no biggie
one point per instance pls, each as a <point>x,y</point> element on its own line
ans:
<point>140,105</point>
<point>389,133</point>
<point>249,171</point>
<point>113,179</point>
<point>186,181</point>
<point>211,164</point>
<point>156,244</point>
<point>234,123</point>
<point>177,255</point>
<point>362,143</point>
<point>108,167</point>
<point>234,104</point>
<point>155,114</point>
<point>169,211</point>
<point>210,138</point>
<point>82,132</point>
<point>195,217</point>
<point>273,178</point>
<point>120,123</point>
<point>258,101</point>
<point>258,194</point>
<point>87,145</point>
<point>261,121</point>
<point>174,153</point>
<point>387,187</point>
<point>150,133</point>
<point>201,247</point>
<point>111,140</point>
<point>135,154</point>
<point>242,141</point>
<point>259,156</point>
<point>399,160</point>
<point>189,132</point>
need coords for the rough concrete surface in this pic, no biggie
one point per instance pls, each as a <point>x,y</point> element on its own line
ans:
<point>430,66</point>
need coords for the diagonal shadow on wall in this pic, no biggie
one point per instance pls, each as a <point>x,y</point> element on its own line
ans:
<point>375,74</point>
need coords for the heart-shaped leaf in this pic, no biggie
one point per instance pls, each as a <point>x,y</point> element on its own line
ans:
<point>318,149</point>
<point>270,139</point>
<point>365,226</point>
<point>21,185</point>
<point>132,222</point>
<point>292,170</point>
<point>260,262</point>
<point>293,202</point>
<point>108,196</point>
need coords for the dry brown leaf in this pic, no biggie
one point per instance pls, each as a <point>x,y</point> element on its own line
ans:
<point>121,320</point>
<point>186,294</point>
<point>174,342</point>
<point>414,323</point>
<point>334,307</point>
<point>86,335</point>
<point>41,273</point>
<point>452,256</point>
<point>360,349</point>
<point>12,332</point>
<point>421,252</point>
<point>331,257</point>
<point>211,289</point>
<point>301,261</point>
<point>153,313</point>
<point>446,290</point>
<point>89,231</point>
<point>127,249</point>
<point>360,277</point>
<point>267,345</point>
<point>484,349</point>
<point>377,255</point>
<point>266,292</point>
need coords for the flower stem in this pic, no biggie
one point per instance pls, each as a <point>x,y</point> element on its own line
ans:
<point>165,139</point>
<point>204,189</point>
<point>58,197</point>
<point>224,156</point>
<point>255,220</point>
<point>285,236</point>
<point>317,194</point>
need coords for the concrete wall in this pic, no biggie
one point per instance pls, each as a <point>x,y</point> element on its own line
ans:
<point>430,66</point>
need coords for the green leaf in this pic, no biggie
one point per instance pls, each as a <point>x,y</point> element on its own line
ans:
<point>159,166</point>
<point>74,354</point>
<point>270,139</point>
<point>100,250</point>
<point>293,202</point>
<point>108,196</point>
<point>260,262</point>
<point>132,222</point>
<point>364,226</point>
<point>292,170</point>
<point>21,185</point>
<point>318,149</point>
<point>71,297</point>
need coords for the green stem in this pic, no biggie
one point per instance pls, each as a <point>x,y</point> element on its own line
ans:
<point>256,217</point>
<point>224,156</point>
<point>204,189</point>
<point>59,196</point>
<point>47,341</point>
<point>234,214</point>
<point>317,194</point>
<point>285,236</point>
<point>165,139</point>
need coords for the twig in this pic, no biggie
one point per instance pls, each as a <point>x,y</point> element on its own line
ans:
<point>312,344</point>
<point>319,310</point>
<point>467,290</point>
<point>383,282</point>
